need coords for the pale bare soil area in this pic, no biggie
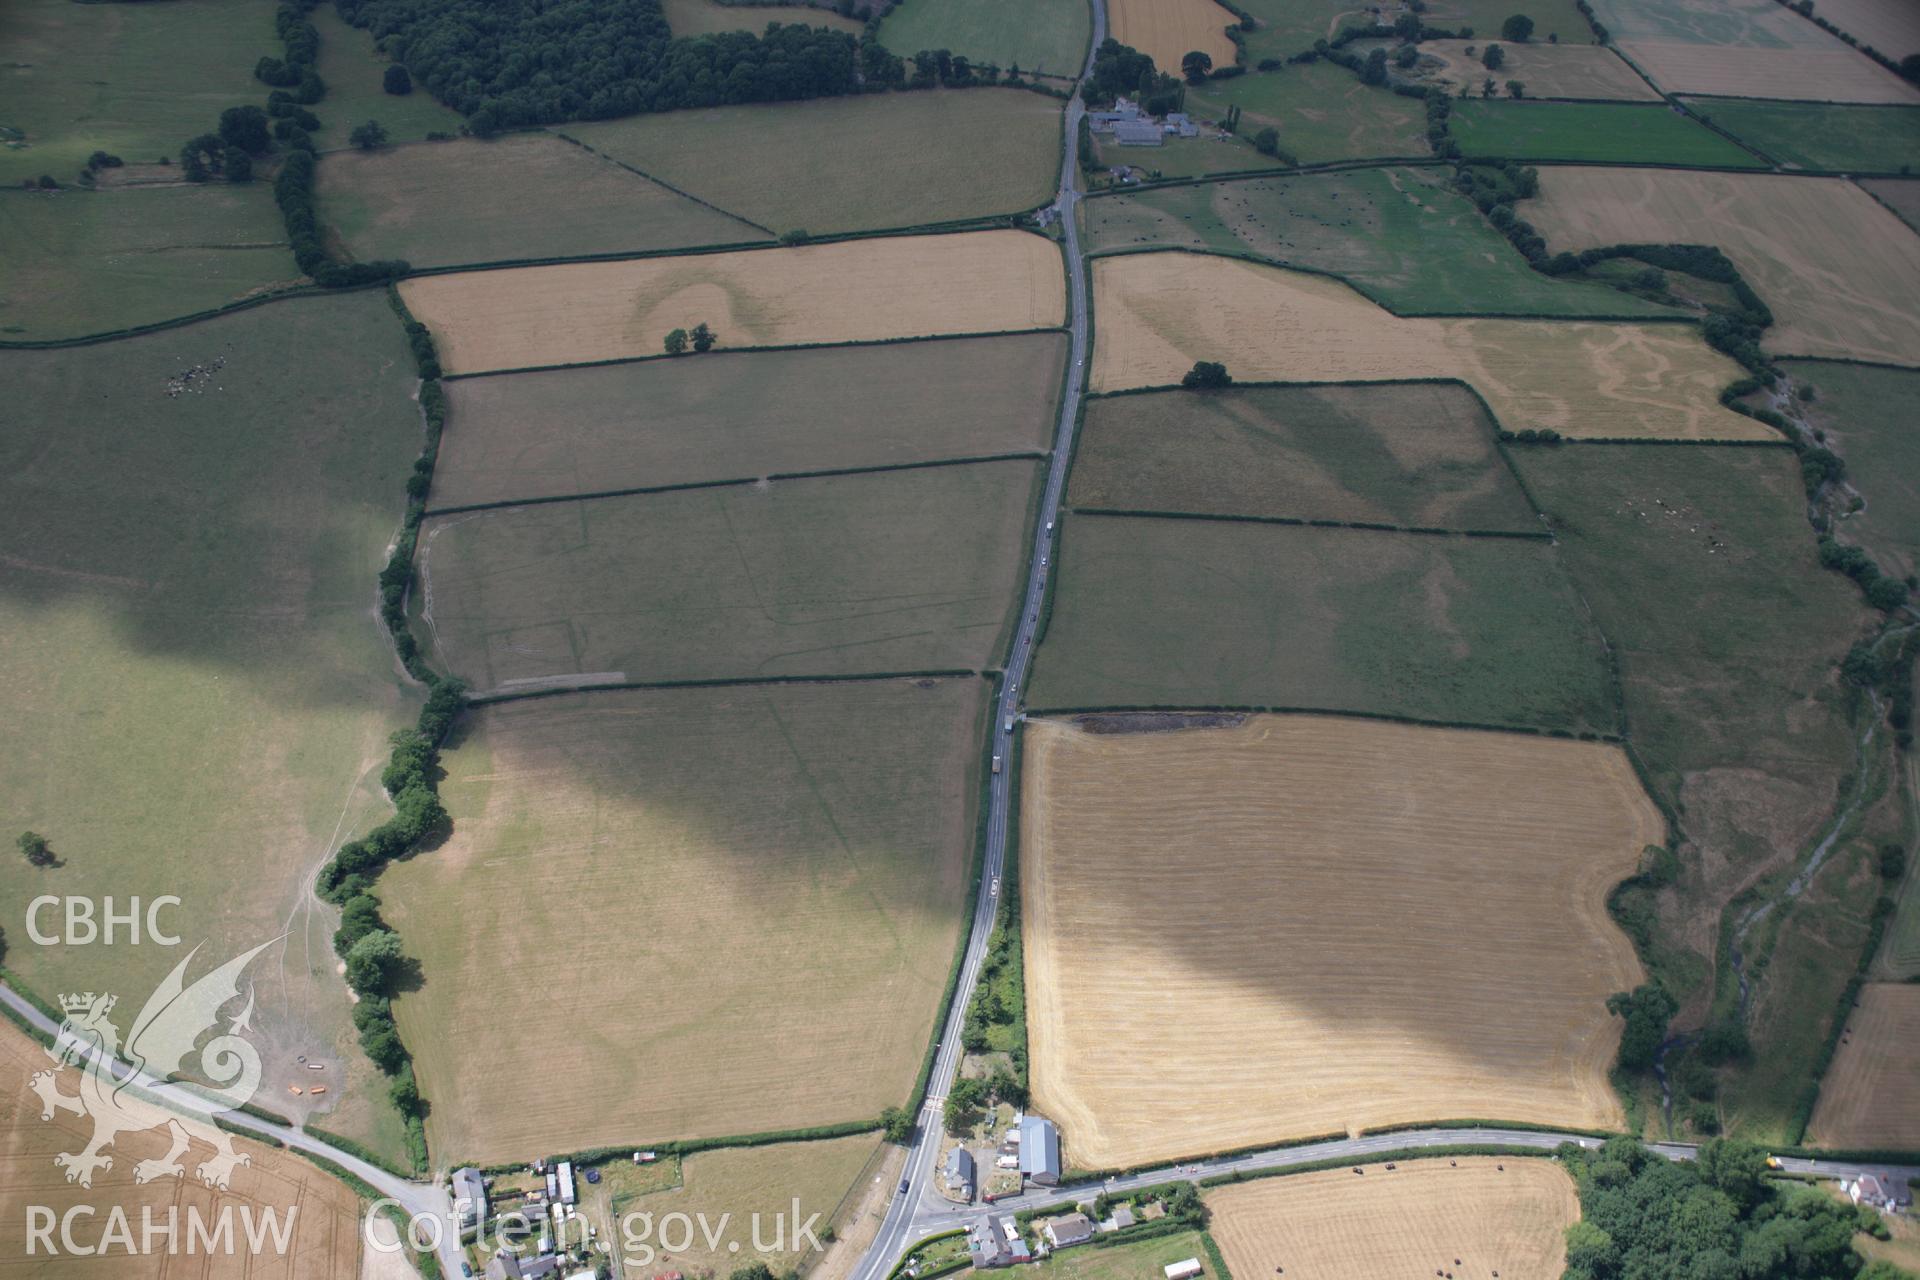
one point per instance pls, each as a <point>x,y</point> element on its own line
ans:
<point>1303,925</point>
<point>1505,1217</point>
<point>323,1242</point>
<point>1548,70</point>
<point>1833,73</point>
<point>1837,268</point>
<point>851,291</point>
<point>1870,1097</point>
<point>1167,30</point>
<point>1160,312</point>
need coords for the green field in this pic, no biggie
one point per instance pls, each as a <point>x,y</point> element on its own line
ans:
<point>709,17</point>
<point>748,867</point>
<point>1400,236</point>
<point>731,416</point>
<point>1291,26</point>
<point>1699,566</point>
<point>198,692</point>
<point>895,571</point>
<point>1607,132</point>
<point>1144,1260</point>
<point>458,203</point>
<point>133,79</point>
<point>1047,37</point>
<point>852,164</point>
<point>1321,111</point>
<point>1186,157</point>
<point>352,69</point>
<point>1867,413</point>
<point>1200,613</point>
<point>1420,455</point>
<point>1821,135</point>
<point>77,262</point>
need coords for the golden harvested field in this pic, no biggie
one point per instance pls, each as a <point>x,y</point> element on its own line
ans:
<point>1505,1217</point>
<point>1299,925</point>
<point>1891,26</point>
<point>1168,30</point>
<point>1160,312</point>
<point>1549,70</point>
<point>1839,270</point>
<point>1830,73</point>
<point>662,896</point>
<point>323,1242</point>
<point>1870,1097</point>
<point>854,291</point>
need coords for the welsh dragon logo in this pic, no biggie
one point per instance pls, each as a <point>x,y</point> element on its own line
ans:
<point>164,1038</point>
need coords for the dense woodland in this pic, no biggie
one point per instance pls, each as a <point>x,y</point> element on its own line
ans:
<point>511,63</point>
<point>1720,1217</point>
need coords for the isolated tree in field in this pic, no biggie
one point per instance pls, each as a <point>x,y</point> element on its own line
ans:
<point>35,847</point>
<point>397,81</point>
<point>702,337</point>
<point>1487,87</point>
<point>676,342</point>
<point>369,136</point>
<point>1195,65</point>
<point>1494,58</point>
<point>1515,89</point>
<point>1518,29</point>
<point>1267,141</point>
<point>1207,374</point>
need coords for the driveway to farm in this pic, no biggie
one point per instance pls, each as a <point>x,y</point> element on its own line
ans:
<point>417,1200</point>
<point>917,1209</point>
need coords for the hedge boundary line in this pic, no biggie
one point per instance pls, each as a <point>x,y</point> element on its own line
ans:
<point>976,868</point>
<point>1252,710</point>
<point>1522,1125</point>
<point>758,350</point>
<point>954,226</point>
<point>1523,535</point>
<point>1214,1256</point>
<point>638,172</point>
<point>716,682</point>
<point>1323,273</point>
<point>1377,1157</point>
<point>1882,912</point>
<point>161,326</point>
<point>937,1236</point>
<point>681,1147</point>
<point>931,464</point>
<point>355,1148</point>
